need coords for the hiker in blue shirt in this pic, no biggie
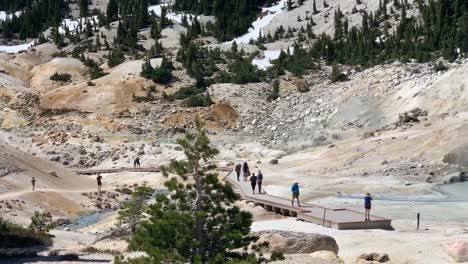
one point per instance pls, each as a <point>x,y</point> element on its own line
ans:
<point>367,205</point>
<point>295,193</point>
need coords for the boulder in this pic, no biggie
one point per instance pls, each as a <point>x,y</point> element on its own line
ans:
<point>127,191</point>
<point>297,243</point>
<point>273,162</point>
<point>373,258</point>
<point>53,173</point>
<point>63,222</point>
<point>457,156</point>
<point>458,250</point>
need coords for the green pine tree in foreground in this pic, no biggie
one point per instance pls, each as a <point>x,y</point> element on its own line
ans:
<point>197,222</point>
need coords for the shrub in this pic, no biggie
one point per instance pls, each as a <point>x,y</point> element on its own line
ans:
<point>276,91</point>
<point>198,100</point>
<point>277,256</point>
<point>15,236</point>
<point>440,66</point>
<point>337,75</point>
<point>60,77</point>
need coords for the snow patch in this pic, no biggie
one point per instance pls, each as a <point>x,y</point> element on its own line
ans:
<point>157,9</point>
<point>260,23</point>
<point>269,55</point>
<point>17,48</point>
<point>74,24</point>
<point>4,16</point>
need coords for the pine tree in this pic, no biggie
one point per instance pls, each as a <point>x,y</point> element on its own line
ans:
<point>112,11</point>
<point>84,8</point>
<point>197,223</point>
<point>131,212</point>
<point>315,8</point>
<point>116,57</point>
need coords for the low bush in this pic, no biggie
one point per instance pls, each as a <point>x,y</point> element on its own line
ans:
<point>60,77</point>
<point>199,100</point>
<point>15,236</point>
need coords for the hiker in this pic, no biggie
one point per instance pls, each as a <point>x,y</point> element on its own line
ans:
<point>295,193</point>
<point>136,163</point>
<point>253,182</point>
<point>99,182</point>
<point>238,171</point>
<point>245,170</point>
<point>367,205</point>
<point>259,181</point>
<point>33,183</point>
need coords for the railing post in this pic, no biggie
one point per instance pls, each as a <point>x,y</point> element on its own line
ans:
<point>324,213</point>
<point>418,218</point>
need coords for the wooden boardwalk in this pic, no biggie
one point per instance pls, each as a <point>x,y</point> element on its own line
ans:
<point>328,217</point>
<point>116,170</point>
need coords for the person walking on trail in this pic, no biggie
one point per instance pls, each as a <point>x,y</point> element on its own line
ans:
<point>295,193</point>
<point>33,183</point>
<point>99,182</point>
<point>367,205</point>
<point>246,170</point>
<point>238,171</point>
<point>253,182</point>
<point>136,163</point>
<point>259,181</point>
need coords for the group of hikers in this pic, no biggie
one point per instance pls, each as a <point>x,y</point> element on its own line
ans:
<point>257,180</point>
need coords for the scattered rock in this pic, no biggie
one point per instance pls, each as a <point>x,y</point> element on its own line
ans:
<point>373,258</point>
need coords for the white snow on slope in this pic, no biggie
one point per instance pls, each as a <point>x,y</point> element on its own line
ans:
<point>4,15</point>
<point>269,55</point>
<point>17,48</point>
<point>73,24</point>
<point>157,9</point>
<point>260,23</point>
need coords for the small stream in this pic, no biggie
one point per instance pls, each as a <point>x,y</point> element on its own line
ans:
<point>97,216</point>
<point>89,219</point>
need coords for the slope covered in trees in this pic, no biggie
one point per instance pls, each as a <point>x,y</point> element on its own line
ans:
<point>36,17</point>
<point>442,30</point>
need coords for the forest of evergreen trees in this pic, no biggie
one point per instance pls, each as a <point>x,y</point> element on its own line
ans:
<point>442,30</point>
<point>37,16</point>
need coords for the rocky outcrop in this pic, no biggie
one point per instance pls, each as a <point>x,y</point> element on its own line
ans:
<point>297,243</point>
<point>457,156</point>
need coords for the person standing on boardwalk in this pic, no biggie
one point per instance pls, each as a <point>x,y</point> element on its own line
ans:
<point>253,182</point>
<point>295,193</point>
<point>136,163</point>
<point>246,170</point>
<point>238,170</point>
<point>259,181</point>
<point>99,182</point>
<point>33,183</point>
<point>367,205</point>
